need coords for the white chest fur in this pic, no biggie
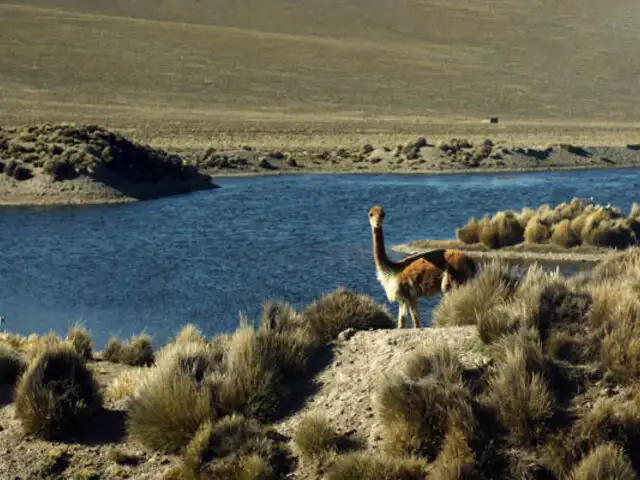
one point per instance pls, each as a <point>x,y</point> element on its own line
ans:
<point>390,284</point>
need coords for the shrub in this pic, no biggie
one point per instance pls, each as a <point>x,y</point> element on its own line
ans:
<point>56,395</point>
<point>525,215</point>
<point>169,405</point>
<point>81,341</point>
<point>35,345</point>
<point>604,461</point>
<point>188,334</point>
<point>510,232</point>
<point>439,361</point>
<point>620,350</point>
<point>252,384</point>
<point>124,385</point>
<point>563,235</point>
<point>521,398</point>
<point>365,466</point>
<point>234,448</point>
<point>456,460</point>
<point>343,309</point>
<point>469,233</point>
<point>462,305</point>
<point>537,231</point>
<point>137,351</point>
<point>314,437</point>
<point>488,233</point>
<point>11,365</point>
<point>279,316</point>
<point>499,320</point>
<point>611,419</point>
<point>416,415</point>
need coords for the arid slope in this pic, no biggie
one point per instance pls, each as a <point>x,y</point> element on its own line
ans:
<point>192,66</point>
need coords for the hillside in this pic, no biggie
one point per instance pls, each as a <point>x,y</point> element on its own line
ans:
<point>191,68</point>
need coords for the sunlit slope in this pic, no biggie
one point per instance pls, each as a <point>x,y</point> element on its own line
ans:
<point>520,59</point>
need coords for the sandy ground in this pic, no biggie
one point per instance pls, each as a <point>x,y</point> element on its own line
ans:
<point>345,393</point>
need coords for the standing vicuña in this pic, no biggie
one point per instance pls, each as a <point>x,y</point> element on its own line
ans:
<point>422,275</point>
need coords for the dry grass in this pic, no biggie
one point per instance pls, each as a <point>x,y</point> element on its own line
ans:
<point>80,338</point>
<point>168,407</point>
<point>567,225</point>
<point>56,395</point>
<point>342,309</point>
<point>188,334</point>
<point>368,466</point>
<point>234,447</point>
<point>315,438</point>
<point>137,351</point>
<point>604,461</point>
<point>125,384</point>
<point>521,398</point>
<point>462,305</point>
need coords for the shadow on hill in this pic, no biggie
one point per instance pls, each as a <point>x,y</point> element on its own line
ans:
<point>6,395</point>
<point>191,180</point>
<point>304,386</point>
<point>107,426</point>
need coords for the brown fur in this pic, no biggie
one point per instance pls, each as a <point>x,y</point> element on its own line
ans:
<point>421,275</point>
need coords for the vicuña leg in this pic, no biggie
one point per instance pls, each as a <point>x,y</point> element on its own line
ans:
<point>415,313</point>
<point>402,314</point>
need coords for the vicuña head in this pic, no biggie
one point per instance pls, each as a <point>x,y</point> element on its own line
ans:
<point>376,216</point>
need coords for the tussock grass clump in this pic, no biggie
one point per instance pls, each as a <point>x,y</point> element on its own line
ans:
<point>521,398</point>
<point>463,305</point>
<point>456,460</point>
<point>563,235</point>
<point>125,384</point>
<point>137,351</point>
<point>11,364</point>
<point>36,345</point>
<point>172,400</point>
<point>188,334</point>
<point>567,225</point>
<point>366,466</point>
<point>56,395</point>
<point>440,361</point>
<point>342,309</point>
<point>620,348</point>
<point>604,461</point>
<point>315,438</point>
<point>418,410</point>
<point>235,447</point>
<point>537,231</point>
<point>469,233</point>
<point>81,341</point>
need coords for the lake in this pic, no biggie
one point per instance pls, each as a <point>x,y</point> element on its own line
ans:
<point>207,256</point>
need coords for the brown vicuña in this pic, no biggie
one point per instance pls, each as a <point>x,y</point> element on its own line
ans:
<point>421,275</point>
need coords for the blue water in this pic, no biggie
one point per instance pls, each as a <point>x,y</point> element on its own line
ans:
<point>207,256</point>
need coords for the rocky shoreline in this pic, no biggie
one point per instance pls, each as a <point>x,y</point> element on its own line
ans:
<point>68,164</point>
<point>54,164</point>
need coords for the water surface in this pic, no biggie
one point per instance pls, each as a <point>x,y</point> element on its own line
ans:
<point>207,256</point>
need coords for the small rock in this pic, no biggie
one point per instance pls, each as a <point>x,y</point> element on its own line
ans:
<point>277,155</point>
<point>292,163</point>
<point>345,335</point>
<point>264,163</point>
<point>342,153</point>
<point>375,160</point>
<point>366,149</point>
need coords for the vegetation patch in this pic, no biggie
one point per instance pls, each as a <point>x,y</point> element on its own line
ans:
<point>567,225</point>
<point>57,394</point>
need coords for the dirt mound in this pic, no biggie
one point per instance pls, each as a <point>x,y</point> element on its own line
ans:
<point>36,159</point>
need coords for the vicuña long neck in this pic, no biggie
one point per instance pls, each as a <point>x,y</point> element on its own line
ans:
<point>379,252</point>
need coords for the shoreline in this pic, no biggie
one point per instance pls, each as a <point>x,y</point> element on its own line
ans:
<point>467,171</point>
<point>523,254</point>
